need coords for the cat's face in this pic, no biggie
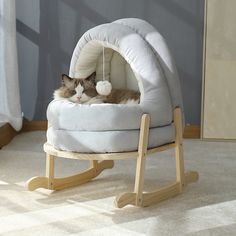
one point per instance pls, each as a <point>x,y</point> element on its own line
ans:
<point>78,90</point>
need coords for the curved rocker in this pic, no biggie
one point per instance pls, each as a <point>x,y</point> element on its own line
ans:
<point>49,182</point>
<point>150,198</point>
<point>137,197</point>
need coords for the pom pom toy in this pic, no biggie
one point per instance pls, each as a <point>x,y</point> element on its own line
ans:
<point>103,87</point>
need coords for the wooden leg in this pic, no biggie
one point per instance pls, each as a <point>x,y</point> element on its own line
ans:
<point>179,148</point>
<point>94,163</point>
<point>50,162</point>
<point>141,161</point>
<point>136,198</point>
<point>44,182</point>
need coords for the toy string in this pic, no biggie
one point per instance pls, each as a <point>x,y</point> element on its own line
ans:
<point>103,63</point>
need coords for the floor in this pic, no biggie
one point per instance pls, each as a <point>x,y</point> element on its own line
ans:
<point>207,207</point>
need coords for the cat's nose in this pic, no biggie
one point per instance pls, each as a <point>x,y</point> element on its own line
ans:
<point>78,98</point>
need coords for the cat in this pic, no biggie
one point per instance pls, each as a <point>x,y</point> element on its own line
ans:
<point>83,91</point>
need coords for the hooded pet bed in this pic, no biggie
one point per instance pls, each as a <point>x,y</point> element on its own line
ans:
<point>136,57</point>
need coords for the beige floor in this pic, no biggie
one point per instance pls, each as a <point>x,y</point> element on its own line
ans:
<point>206,208</point>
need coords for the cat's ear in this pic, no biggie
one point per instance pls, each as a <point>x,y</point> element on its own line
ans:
<point>92,78</point>
<point>67,81</point>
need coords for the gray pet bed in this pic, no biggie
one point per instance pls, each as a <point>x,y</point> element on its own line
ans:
<point>136,57</point>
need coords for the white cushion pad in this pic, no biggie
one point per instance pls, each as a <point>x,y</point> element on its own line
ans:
<point>66,115</point>
<point>107,141</point>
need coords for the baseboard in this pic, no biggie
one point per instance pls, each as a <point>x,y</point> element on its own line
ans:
<point>190,131</point>
<point>7,133</point>
<point>34,125</point>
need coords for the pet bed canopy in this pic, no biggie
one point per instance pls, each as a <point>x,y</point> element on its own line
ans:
<point>136,57</point>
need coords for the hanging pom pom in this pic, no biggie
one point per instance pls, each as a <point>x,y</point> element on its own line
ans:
<point>103,87</point>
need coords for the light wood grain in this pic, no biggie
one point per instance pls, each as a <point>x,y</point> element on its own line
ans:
<point>142,152</point>
<point>50,170</point>
<point>162,194</point>
<point>89,156</point>
<point>179,147</point>
<point>102,156</point>
<point>81,178</point>
<point>161,148</point>
<point>49,182</point>
<point>37,182</point>
<point>125,199</point>
<point>191,177</point>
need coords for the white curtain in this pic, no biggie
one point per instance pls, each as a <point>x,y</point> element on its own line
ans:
<point>10,110</point>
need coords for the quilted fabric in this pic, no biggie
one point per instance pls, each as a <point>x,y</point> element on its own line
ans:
<point>106,141</point>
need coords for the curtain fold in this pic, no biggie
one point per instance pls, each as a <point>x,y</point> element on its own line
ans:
<point>10,109</point>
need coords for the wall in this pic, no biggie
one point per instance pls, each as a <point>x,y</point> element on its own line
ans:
<point>47,32</point>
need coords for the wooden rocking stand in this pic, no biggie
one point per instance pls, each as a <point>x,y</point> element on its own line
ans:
<point>137,197</point>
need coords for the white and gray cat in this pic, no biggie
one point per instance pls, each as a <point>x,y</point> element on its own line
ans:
<point>83,91</point>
